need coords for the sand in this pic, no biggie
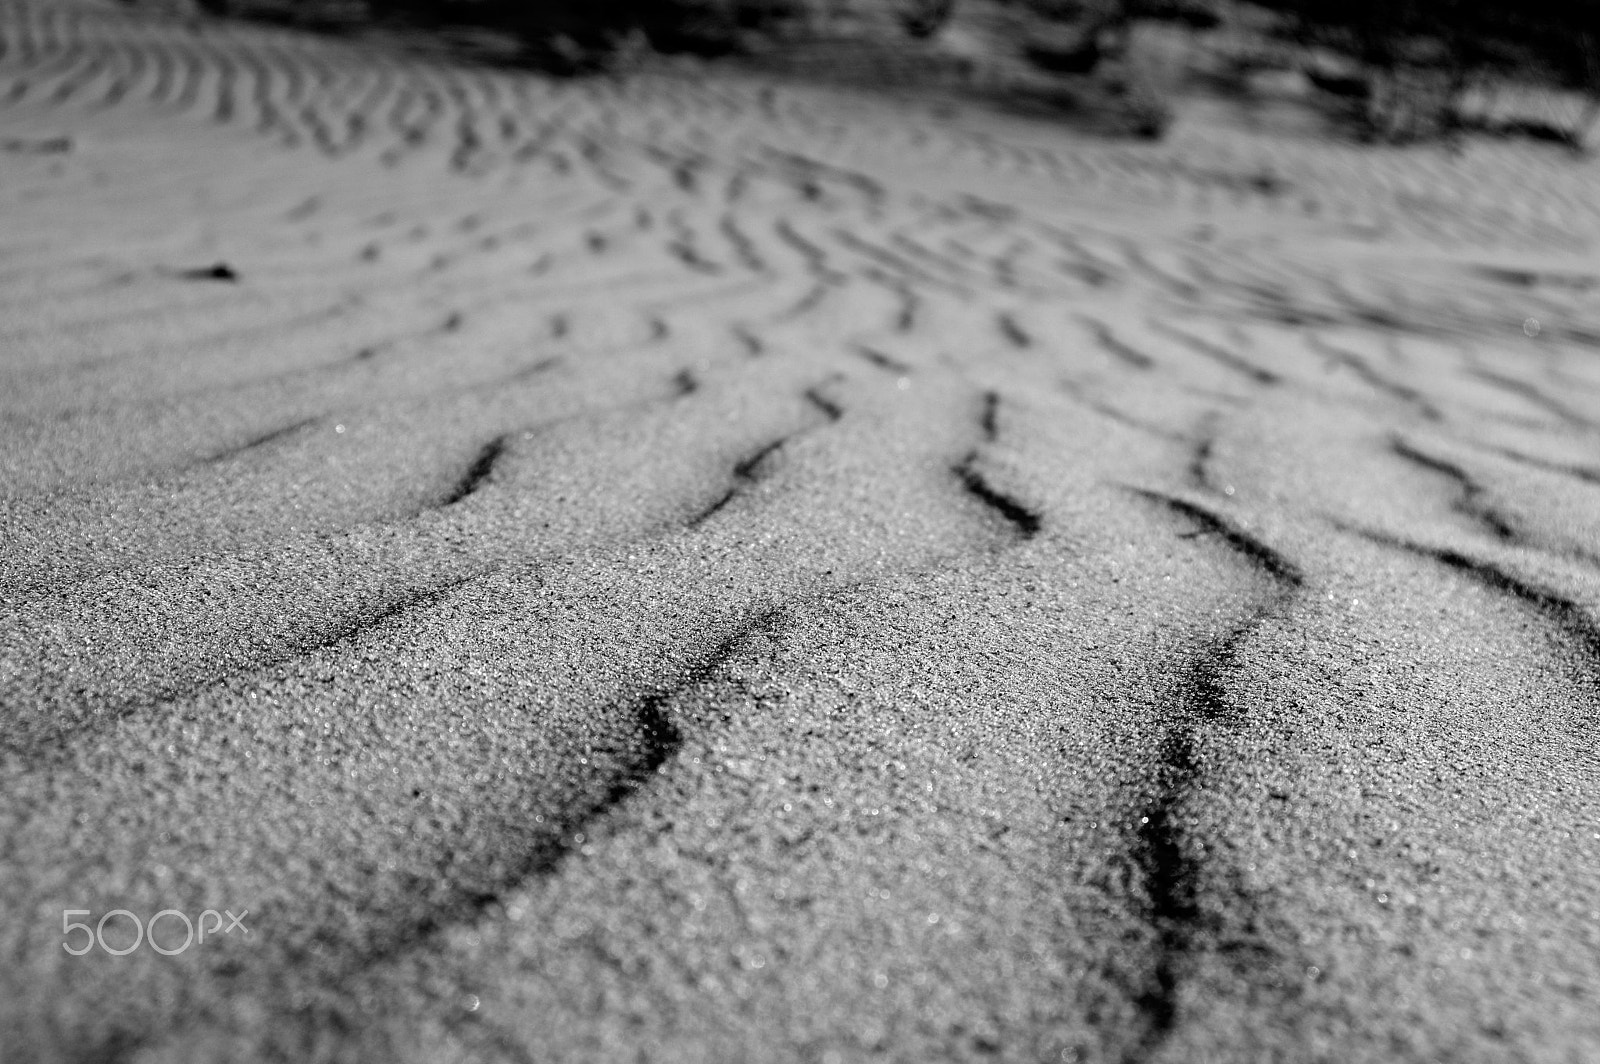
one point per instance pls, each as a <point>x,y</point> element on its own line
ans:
<point>709,568</point>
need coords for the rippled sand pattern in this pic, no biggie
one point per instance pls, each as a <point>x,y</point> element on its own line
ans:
<point>707,569</point>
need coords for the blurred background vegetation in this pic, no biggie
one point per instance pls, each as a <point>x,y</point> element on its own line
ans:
<point>1394,70</point>
<point>1415,68</point>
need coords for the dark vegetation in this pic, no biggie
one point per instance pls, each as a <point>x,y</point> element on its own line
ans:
<point>1394,69</point>
<point>591,36</point>
<point>1412,62</point>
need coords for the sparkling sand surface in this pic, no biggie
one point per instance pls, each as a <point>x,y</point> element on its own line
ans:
<point>706,568</point>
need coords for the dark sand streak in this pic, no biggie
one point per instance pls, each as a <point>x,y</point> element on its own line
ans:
<point>1165,854</point>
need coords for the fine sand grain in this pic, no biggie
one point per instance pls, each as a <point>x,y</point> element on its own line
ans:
<point>713,569</point>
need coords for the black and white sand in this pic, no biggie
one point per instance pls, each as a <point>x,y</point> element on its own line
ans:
<point>708,569</point>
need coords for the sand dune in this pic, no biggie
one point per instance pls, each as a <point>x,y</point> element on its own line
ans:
<point>711,568</point>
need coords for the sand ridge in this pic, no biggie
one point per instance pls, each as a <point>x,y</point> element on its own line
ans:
<point>713,568</point>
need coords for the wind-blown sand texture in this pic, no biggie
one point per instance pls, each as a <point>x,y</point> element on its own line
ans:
<point>709,569</point>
